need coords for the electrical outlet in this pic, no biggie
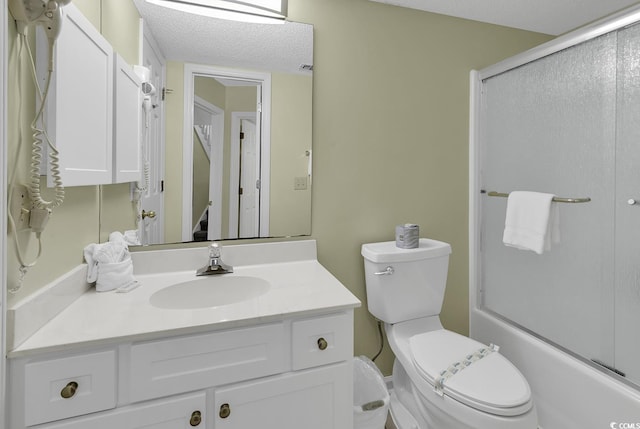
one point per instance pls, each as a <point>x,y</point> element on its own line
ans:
<point>19,207</point>
<point>300,183</point>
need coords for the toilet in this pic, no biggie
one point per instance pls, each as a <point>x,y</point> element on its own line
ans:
<point>441,380</point>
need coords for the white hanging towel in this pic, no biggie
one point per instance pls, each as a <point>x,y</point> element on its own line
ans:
<point>532,221</point>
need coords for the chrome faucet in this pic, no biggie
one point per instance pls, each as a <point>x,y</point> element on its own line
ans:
<point>215,265</point>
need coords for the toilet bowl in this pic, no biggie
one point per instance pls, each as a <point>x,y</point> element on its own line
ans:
<point>441,380</point>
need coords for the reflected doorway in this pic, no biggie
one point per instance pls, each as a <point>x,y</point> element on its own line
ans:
<point>245,187</point>
<point>236,202</point>
<point>151,227</point>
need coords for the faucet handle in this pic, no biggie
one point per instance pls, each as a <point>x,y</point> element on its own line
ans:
<point>214,250</point>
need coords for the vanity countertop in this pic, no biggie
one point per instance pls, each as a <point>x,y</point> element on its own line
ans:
<point>300,286</point>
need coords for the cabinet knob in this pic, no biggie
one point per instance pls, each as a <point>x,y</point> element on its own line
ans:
<point>150,214</point>
<point>322,343</point>
<point>69,390</point>
<point>196,418</point>
<point>632,202</point>
<point>225,411</point>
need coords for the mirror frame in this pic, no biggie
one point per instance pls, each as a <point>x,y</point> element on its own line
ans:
<point>191,71</point>
<point>4,60</point>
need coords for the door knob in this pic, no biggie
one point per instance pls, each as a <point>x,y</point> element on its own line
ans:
<point>150,214</point>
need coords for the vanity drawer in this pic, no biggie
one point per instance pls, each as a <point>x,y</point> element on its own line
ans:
<point>322,340</point>
<point>182,412</point>
<point>71,386</point>
<point>171,366</point>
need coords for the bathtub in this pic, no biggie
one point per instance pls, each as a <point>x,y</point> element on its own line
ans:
<point>568,392</point>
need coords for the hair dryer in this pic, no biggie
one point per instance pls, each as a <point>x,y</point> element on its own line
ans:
<point>46,13</point>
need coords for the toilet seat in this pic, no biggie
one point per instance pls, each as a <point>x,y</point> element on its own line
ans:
<point>491,384</point>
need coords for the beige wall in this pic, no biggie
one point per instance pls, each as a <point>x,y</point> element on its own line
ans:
<point>390,137</point>
<point>76,222</point>
<point>290,209</point>
<point>173,111</point>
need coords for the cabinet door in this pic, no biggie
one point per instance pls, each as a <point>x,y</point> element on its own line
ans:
<point>181,412</point>
<point>127,119</point>
<point>79,115</point>
<point>313,399</point>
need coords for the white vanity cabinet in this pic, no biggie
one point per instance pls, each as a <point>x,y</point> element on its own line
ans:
<point>284,374</point>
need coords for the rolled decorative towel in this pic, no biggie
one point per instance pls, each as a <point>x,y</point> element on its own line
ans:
<point>110,265</point>
<point>115,275</point>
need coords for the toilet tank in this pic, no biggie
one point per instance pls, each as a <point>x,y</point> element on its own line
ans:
<point>405,284</point>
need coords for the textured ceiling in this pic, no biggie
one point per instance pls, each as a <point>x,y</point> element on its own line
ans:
<point>544,16</point>
<point>204,40</point>
<point>285,47</point>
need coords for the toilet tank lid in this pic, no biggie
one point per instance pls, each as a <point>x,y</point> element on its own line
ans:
<point>388,251</point>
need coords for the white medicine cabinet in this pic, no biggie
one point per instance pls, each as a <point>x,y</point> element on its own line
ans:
<point>93,113</point>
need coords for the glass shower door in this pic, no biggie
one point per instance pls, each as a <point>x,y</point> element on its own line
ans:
<point>627,206</point>
<point>550,126</point>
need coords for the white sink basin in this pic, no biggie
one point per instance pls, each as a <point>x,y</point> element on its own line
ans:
<point>209,291</point>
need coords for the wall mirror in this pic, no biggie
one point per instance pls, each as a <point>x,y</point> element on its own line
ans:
<point>227,79</point>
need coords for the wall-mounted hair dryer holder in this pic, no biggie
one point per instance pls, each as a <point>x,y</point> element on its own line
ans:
<point>47,13</point>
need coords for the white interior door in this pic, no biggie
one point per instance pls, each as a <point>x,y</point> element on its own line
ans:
<point>249,180</point>
<point>151,229</point>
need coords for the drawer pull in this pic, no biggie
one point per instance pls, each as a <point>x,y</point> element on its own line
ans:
<point>196,418</point>
<point>225,411</point>
<point>322,343</point>
<point>69,390</point>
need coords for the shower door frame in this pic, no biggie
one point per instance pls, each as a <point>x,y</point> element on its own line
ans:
<point>3,206</point>
<point>551,371</point>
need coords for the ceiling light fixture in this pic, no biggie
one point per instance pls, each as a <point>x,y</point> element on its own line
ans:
<point>257,11</point>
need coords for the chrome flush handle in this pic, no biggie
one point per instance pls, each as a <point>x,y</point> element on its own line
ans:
<point>387,271</point>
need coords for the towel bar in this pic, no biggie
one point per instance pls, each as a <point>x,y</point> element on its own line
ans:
<point>556,199</point>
